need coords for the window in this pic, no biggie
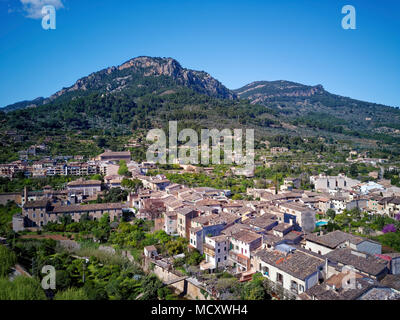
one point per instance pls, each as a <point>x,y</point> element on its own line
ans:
<point>34,215</point>
<point>279,278</point>
<point>219,260</point>
<point>294,286</point>
<point>265,271</point>
<point>219,250</point>
<point>301,288</point>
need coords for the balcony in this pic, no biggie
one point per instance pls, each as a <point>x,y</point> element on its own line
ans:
<point>239,258</point>
<point>207,249</point>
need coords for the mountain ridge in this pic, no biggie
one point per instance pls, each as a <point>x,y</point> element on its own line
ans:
<point>146,92</point>
<point>144,66</point>
<point>202,81</point>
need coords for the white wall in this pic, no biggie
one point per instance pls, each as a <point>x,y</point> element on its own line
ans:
<point>287,278</point>
<point>317,248</point>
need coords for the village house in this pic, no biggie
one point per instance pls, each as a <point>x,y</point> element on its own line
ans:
<point>159,182</point>
<point>94,211</point>
<point>342,286</point>
<point>338,203</point>
<point>373,204</point>
<point>170,222</point>
<point>278,150</point>
<point>202,226</point>
<point>290,184</point>
<point>325,183</point>
<point>338,239</point>
<point>150,252</point>
<point>390,206</point>
<point>39,213</point>
<point>262,223</point>
<point>216,250</point>
<point>184,218</point>
<point>295,213</point>
<point>281,229</point>
<point>364,263</point>
<point>242,244</point>
<point>294,270</point>
<point>35,213</point>
<point>85,187</point>
<point>115,156</point>
<point>8,170</point>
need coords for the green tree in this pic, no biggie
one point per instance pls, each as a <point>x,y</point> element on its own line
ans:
<point>7,261</point>
<point>331,214</point>
<point>123,168</point>
<point>132,184</point>
<point>21,288</point>
<point>254,289</point>
<point>103,229</point>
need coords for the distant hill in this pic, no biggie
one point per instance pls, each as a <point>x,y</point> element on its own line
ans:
<point>24,104</point>
<point>146,92</point>
<point>314,107</point>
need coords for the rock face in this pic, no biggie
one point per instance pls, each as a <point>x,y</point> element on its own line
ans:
<point>117,78</point>
<point>198,80</point>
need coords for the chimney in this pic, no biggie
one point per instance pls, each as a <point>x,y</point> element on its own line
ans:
<point>326,268</point>
<point>26,194</point>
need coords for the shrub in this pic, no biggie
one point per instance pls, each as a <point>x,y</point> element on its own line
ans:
<point>389,228</point>
<point>21,288</point>
<point>7,261</point>
<point>71,294</point>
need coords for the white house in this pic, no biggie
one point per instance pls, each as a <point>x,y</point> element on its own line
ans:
<point>216,252</point>
<point>296,271</point>
<point>339,239</point>
<point>242,244</point>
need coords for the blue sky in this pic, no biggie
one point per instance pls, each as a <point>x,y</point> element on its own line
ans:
<point>237,42</point>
